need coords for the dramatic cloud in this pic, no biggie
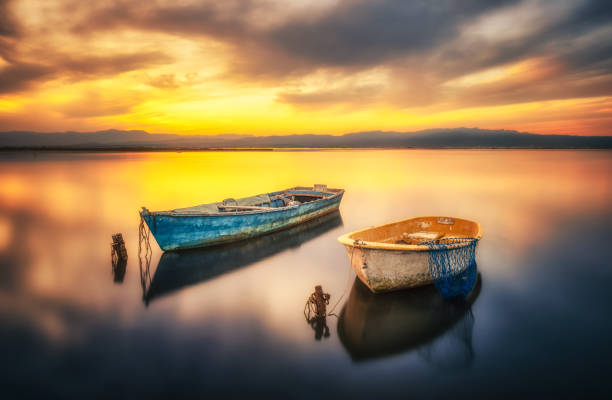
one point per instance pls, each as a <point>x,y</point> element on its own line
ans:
<point>17,76</point>
<point>108,65</point>
<point>370,32</point>
<point>216,66</point>
<point>7,24</point>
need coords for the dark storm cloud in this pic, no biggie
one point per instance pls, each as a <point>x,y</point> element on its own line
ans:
<point>8,26</point>
<point>590,14</point>
<point>8,30</point>
<point>596,53</point>
<point>417,41</point>
<point>353,35</point>
<point>369,32</point>
<point>18,76</point>
<point>221,20</point>
<point>557,86</point>
<point>15,75</point>
<point>19,72</point>
<point>576,40</point>
<point>108,65</point>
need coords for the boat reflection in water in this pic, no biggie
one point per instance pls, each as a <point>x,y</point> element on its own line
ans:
<point>372,326</point>
<point>183,268</point>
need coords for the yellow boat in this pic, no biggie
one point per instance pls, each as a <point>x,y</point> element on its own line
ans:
<point>394,256</point>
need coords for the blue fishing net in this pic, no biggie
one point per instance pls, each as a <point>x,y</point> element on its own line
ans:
<point>452,264</point>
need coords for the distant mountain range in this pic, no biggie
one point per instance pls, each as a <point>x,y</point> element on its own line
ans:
<point>431,138</point>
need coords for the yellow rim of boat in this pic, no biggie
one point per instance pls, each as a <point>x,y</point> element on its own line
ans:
<point>348,241</point>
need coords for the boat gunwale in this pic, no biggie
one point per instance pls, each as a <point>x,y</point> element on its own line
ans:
<point>358,243</point>
<point>337,193</point>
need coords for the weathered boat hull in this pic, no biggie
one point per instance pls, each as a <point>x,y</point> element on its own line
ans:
<point>383,265</point>
<point>387,270</point>
<point>177,232</point>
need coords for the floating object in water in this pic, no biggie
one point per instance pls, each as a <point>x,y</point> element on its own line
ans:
<point>373,326</point>
<point>118,258</point>
<point>396,256</point>
<point>316,313</point>
<point>237,219</point>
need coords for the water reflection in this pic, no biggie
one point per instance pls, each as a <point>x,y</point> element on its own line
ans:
<point>183,268</point>
<point>377,325</point>
<point>319,326</point>
<point>66,330</point>
<point>119,266</point>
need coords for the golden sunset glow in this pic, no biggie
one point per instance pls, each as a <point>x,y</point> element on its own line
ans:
<point>283,67</point>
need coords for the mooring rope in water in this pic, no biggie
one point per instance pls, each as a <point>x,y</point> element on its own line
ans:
<point>348,279</point>
<point>144,255</point>
<point>346,288</point>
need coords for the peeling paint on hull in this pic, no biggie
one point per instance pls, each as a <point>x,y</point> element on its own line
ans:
<point>386,270</point>
<point>177,232</point>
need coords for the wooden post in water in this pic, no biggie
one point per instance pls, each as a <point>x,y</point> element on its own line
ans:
<point>118,247</point>
<point>118,258</point>
<point>316,304</point>
<point>321,299</point>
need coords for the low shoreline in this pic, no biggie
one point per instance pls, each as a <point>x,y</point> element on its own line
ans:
<point>286,149</point>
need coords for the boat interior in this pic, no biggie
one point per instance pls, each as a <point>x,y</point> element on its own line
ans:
<point>264,202</point>
<point>416,231</point>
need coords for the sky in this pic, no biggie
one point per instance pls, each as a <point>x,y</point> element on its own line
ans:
<point>269,67</point>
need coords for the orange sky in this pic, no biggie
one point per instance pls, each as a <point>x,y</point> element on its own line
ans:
<point>326,66</point>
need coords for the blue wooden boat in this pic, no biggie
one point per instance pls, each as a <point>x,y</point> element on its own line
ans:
<point>238,219</point>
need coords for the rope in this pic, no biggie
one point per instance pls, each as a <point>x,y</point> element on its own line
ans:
<point>144,255</point>
<point>316,322</point>
<point>310,308</point>
<point>348,280</point>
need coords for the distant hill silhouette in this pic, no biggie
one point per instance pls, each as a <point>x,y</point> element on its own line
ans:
<point>431,138</point>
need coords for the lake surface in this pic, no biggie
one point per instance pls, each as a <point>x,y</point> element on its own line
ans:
<point>229,321</point>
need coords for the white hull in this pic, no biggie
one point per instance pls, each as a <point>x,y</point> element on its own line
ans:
<point>395,256</point>
<point>387,270</point>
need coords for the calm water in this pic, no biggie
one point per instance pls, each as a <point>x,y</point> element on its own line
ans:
<point>229,321</point>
